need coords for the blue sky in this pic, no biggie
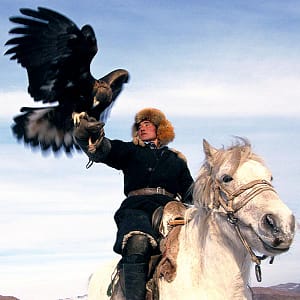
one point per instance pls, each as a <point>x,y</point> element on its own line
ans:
<point>189,58</point>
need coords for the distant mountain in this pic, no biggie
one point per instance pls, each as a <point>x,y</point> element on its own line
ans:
<point>287,291</point>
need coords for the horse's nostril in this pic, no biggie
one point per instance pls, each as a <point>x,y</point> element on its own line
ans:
<point>270,223</point>
<point>277,242</point>
<point>269,220</point>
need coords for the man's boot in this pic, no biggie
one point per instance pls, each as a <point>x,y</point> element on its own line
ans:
<point>134,277</point>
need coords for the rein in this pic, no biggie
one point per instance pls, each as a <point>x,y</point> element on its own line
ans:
<point>226,199</point>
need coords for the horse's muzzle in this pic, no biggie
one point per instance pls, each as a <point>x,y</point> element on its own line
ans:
<point>277,237</point>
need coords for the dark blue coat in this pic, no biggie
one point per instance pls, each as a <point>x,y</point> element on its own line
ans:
<point>144,167</point>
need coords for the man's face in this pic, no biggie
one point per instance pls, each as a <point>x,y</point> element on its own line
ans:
<point>147,131</point>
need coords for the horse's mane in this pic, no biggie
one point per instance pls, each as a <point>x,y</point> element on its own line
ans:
<point>233,157</point>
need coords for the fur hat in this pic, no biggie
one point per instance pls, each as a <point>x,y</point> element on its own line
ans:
<point>165,130</point>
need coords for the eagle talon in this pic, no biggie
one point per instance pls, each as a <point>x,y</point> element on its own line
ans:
<point>77,117</point>
<point>92,146</point>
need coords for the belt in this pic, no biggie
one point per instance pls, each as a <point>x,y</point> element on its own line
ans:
<point>151,191</point>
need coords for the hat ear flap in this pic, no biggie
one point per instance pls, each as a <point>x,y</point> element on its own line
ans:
<point>135,137</point>
<point>165,132</point>
<point>137,141</point>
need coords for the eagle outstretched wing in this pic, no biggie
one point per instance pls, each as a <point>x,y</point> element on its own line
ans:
<point>57,56</point>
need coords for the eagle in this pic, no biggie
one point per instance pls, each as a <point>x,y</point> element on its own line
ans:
<point>57,56</point>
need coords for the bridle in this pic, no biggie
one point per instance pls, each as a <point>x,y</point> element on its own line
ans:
<point>223,197</point>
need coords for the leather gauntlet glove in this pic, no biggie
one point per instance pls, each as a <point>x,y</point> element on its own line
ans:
<point>89,134</point>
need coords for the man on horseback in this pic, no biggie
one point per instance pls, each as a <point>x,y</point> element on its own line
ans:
<point>153,176</point>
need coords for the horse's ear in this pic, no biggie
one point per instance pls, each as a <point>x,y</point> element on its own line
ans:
<point>209,150</point>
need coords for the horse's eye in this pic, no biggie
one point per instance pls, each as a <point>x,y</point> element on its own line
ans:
<point>272,178</point>
<point>226,178</point>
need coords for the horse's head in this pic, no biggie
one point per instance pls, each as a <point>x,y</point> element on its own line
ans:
<point>236,183</point>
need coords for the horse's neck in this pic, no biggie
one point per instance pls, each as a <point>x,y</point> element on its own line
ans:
<point>212,260</point>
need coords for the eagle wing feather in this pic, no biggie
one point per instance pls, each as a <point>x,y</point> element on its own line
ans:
<point>57,56</point>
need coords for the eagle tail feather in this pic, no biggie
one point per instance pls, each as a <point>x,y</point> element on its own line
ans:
<point>41,128</point>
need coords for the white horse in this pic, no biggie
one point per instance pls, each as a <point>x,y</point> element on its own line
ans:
<point>237,214</point>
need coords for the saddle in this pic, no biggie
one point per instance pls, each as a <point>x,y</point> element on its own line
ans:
<point>165,220</point>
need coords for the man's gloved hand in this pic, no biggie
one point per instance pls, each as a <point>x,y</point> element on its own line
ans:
<point>89,131</point>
